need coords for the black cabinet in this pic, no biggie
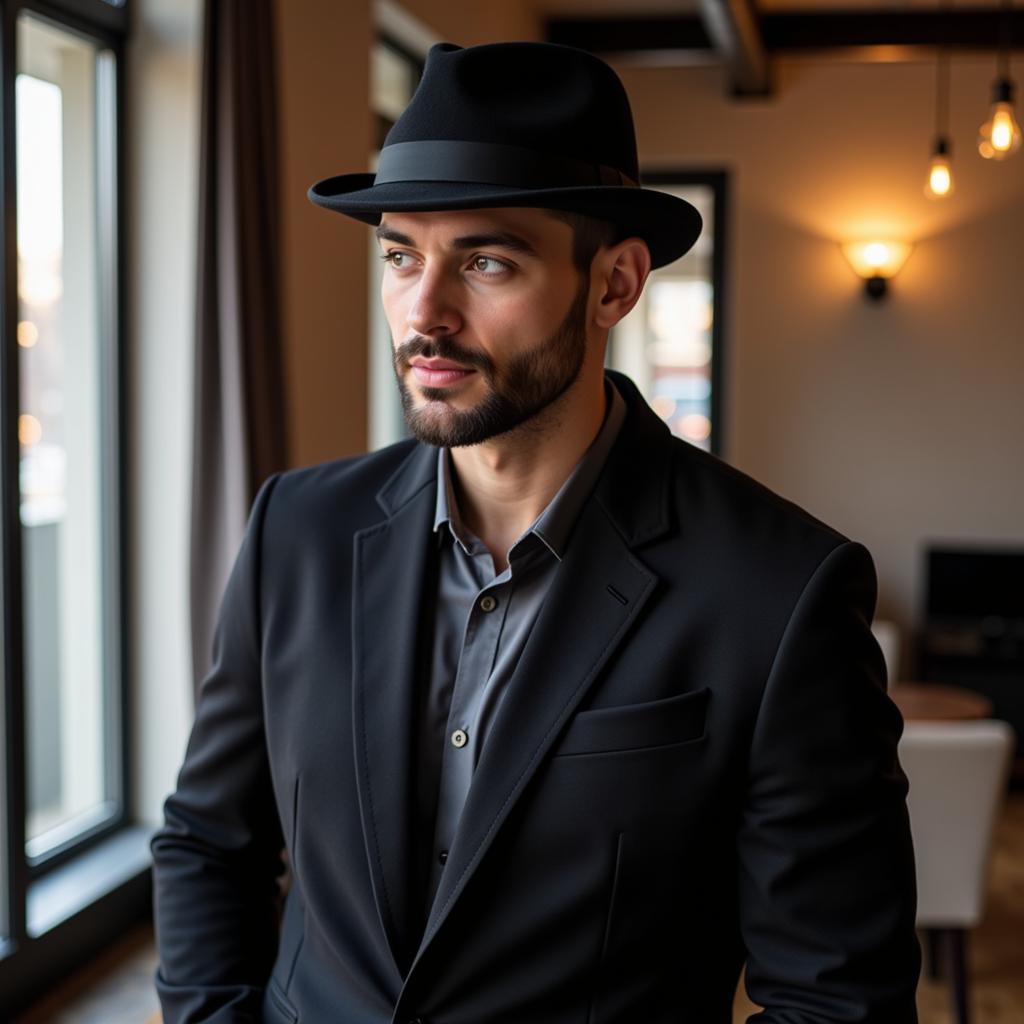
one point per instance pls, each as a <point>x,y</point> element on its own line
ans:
<point>973,629</point>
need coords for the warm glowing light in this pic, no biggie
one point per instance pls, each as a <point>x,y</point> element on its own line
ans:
<point>30,430</point>
<point>876,261</point>
<point>1000,135</point>
<point>940,180</point>
<point>28,333</point>
<point>876,258</point>
<point>876,254</point>
<point>940,173</point>
<point>1002,130</point>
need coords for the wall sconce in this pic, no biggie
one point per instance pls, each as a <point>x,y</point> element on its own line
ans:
<point>876,261</point>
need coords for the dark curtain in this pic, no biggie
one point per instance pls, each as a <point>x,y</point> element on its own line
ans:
<point>239,422</point>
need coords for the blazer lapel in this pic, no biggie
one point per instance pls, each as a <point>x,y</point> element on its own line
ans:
<point>390,576</point>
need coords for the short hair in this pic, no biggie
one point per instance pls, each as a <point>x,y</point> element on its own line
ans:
<point>588,235</point>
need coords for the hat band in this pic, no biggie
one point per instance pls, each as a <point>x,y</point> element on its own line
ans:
<point>491,164</point>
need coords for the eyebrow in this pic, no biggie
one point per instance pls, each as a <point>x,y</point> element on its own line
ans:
<point>483,240</point>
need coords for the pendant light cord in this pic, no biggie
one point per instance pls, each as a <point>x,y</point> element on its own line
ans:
<point>942,80</point>
<point>1005,39</point>
<point>942,94</point>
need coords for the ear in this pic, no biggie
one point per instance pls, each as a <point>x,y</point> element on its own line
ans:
<point>618,275</point>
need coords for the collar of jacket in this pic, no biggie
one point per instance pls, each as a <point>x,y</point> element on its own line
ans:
<point>633,487</point>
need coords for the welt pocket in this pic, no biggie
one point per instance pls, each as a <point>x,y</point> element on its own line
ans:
<point>656,723</point>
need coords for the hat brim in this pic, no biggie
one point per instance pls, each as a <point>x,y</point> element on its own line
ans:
<point>669,225</point>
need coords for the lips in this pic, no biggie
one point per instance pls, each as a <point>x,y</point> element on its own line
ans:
<point>437,373</point>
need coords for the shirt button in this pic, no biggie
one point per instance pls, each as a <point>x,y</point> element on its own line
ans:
<point>442,857</point>
<point>459,738</point>
<point>488,603</point>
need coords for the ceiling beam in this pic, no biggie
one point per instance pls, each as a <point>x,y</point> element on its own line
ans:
<point>733,29</point>
<point>630,35</point>
<point>797,32</point>
<point>972,29</point>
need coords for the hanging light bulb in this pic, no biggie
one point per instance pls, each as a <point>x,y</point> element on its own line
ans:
<point>940,173</point>
<point>1000,135</point>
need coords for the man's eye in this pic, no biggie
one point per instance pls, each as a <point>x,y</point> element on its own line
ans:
<point>489,265</point>
<point>399,260</point>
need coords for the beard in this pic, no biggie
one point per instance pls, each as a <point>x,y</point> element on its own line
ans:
<point>517,392</point>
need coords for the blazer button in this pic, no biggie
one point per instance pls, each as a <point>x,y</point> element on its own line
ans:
<point>459,738</point>
<point>488,603</point>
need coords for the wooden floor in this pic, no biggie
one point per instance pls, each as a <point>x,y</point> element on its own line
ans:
<point>118,988</point>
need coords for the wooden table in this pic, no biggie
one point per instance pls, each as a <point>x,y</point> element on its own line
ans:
<point>937,702</point>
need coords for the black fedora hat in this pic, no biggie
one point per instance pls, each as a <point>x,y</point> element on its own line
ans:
<point>516,124</point>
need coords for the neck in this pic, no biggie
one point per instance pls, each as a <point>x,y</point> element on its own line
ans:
<point>504,484</point>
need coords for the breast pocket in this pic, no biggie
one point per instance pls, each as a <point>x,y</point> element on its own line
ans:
<point>656,723</point>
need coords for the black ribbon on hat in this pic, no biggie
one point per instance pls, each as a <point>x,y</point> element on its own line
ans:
<point>489,163</point>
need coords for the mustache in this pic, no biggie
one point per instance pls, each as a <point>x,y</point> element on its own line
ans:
<point>442,347</point>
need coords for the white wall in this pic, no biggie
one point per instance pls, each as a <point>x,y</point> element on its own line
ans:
<point>163,141</point>
<point>896,423</point>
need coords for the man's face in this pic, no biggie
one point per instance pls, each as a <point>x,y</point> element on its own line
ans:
<point>488,318</point>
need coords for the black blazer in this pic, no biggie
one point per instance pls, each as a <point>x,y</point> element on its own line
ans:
<point>695,765</point>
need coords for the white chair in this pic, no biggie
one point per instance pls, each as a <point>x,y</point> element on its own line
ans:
<point>958,774</point>
<point>888,636</point>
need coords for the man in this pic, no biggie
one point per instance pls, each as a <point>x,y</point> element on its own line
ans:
<point>558,718</point>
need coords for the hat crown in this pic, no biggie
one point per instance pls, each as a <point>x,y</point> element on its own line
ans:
<point>516,125</point>
<point>544,97</point>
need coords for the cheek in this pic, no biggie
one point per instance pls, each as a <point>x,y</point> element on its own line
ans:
<point>517,317</point>
<point>395,306</point>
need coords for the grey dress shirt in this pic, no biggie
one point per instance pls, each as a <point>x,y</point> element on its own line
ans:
<point>481,624</point>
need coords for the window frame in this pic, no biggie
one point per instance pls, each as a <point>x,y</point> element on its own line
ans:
<point>718,182</point>
<point>415,63</point>
<point>385,422</point>
<point>57,909</point>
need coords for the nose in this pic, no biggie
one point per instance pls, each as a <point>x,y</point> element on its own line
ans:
<point>433,310</point>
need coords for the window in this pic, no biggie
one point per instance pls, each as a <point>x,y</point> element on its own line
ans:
<point>63,94</point>
<point>64,793</point>
<point>671,342</point>
<point>395,72</point>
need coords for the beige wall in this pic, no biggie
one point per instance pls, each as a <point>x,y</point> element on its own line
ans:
<point>470,22</point>
<point>897,423</point>
<point>326,128</point>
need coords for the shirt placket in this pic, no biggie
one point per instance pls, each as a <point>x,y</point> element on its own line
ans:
<point>463,742</point>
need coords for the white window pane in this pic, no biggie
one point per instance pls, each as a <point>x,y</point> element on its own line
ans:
<point>60,430</point>
<point>665,344</point>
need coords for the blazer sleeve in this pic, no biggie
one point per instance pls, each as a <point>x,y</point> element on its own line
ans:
<point>218,853</point>
<point>826,868</point>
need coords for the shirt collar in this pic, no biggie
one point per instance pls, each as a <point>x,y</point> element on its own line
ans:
<point>554,524</point>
